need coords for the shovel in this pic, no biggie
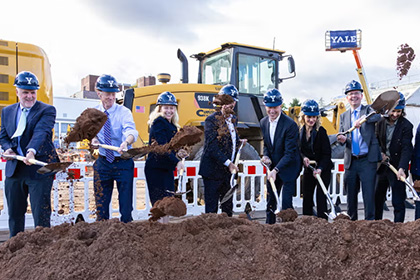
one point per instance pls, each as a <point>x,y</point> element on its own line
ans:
<point>126,153</point>
<point>46,167</point>
<point>409,185</point>
<point>383,104</point>
<point>233,181</point>
<point>180,179</point>
<point>333,214</point>
<point>274,189</point>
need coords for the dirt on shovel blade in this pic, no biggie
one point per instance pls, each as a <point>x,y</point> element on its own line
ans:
<point>87,125</point>
<point>168,206</point>
<point>218,247</point>
<point>186,136</point>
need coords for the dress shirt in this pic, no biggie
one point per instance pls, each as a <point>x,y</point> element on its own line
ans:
<point>273,126</point>
<point>19,113</point>
<point>362,144</point>
<point>122,125</point>
<point>231,128</point>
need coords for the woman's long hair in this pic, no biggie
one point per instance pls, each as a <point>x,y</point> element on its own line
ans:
<point>302,120</point>
<point>157,112</point>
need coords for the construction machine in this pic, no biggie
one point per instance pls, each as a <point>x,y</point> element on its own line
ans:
<point>253,70</point>
<point>16,57</point>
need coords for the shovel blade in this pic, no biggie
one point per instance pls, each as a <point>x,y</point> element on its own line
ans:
<point>385,101</point>
<point>229,194</point>
<point>54,167</point>
<point>136,152</point>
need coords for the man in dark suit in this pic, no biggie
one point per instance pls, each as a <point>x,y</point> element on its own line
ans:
<point>361,153</point>
<point>395,134</point>
<point>221,142</point>
<point>281,137</point>
<point>26,130</point>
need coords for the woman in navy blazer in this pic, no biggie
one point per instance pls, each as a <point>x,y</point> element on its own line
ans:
<point>159,168</point>
<point>314,145</point>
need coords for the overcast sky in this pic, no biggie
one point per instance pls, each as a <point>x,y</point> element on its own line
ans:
<point>134,38</point>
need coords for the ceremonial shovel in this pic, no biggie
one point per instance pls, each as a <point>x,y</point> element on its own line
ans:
<point>384,103</point>
<point>410,186</point>
<point>333,214</point>
<point>180,179</point>
<point>273,187</point>
<point>46,167</point>
<point>127,153</point>
<point>233,181</point>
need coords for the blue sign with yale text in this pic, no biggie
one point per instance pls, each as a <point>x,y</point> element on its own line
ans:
<point>343,39</point>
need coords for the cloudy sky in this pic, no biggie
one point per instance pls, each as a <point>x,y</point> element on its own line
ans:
<point>133,38</point>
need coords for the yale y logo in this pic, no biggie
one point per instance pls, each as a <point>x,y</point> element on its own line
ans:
<point>29,79</point>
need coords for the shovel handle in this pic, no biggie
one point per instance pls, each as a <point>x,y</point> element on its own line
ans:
<point>109,147</point>
<point>410,186</point>
<point>22,158</point>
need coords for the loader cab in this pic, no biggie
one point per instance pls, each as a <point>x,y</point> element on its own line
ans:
<point>253,70</point>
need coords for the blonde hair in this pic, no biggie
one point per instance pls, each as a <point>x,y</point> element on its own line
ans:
<point>302,120</point>
<point>158,113</point>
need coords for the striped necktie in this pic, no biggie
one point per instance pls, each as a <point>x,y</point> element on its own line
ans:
<point>21,125</point>
<point>109,155</point>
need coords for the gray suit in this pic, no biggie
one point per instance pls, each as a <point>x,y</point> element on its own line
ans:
<point>361,169</point>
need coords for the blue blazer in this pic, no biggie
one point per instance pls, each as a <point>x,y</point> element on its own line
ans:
<point>217,148</point>
<point>162,132</point>
<point>367,130</point>
<point>37,135</point>
<point>415,160</point>
<point>284,152</point>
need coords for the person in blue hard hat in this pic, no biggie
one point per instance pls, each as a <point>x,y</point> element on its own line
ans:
<point>395,134</point>
<point>119,130</point>
<point>221,143</point>
<point>281,151</point>
<point>361,153</point>
<point>314,146</point>
<point>159,168</point>
<point>26,130</point>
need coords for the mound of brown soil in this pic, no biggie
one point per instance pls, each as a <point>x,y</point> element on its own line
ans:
<point>218,247</point>
<point>87,125</point>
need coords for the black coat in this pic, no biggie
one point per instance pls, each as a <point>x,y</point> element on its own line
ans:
<point>162,132</point>
<point>284,152</point>
<point>401,147</point>
<point>217,148</point>
<point>320,146</point>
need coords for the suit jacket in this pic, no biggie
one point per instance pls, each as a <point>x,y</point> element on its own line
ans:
<point>284,152</point>
<point>217,148</point>
<point>162,132</point>
<point>401,147</point>
<point>37,135</point>
<point>367,130</point>
<point>320,146</point>
<point>415,160</point>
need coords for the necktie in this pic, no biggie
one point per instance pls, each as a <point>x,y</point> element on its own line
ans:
<point>355,138</point>
<point>21,125</point>
<point>109,155</point>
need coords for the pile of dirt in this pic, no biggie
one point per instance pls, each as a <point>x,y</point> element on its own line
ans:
<point>168,206</point>
<point>87,125</point>
<point>215,246</point>
<point>405,57</point>
<point>187,136</point>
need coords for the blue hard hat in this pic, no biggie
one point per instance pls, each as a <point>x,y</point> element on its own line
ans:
<point>166,98</point>
<point>272,98</point>
<point>310,107</point>
<point>401,102</point>
<point>107,83</point>
<point>26,80</point>
<point>353,85</point>
<point>230,90</point>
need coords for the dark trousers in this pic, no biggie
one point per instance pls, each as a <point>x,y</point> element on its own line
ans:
<point>159,180</point>
<point>214,191</point>
<point>289,189</point>
<point>383,181</point>
<point>309,182</point>
<point>17,190</point>
<point>417,203</point>
<point>364,171</point>
<point>122,171</point>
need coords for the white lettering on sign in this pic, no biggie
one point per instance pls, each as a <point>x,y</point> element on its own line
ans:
<point>345,39</point>
<point>202,97</point>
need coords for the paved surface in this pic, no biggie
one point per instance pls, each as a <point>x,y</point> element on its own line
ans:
<point>260,216</point>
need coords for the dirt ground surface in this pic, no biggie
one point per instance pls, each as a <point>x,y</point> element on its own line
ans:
<point>216,246</point>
